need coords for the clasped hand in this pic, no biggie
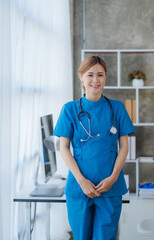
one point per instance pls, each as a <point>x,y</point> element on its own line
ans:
<point>92,191</point>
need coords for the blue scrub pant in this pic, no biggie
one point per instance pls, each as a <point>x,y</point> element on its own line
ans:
<point>94,219</point>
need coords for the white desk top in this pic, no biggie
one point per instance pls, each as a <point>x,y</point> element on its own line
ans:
<point>24,196</point>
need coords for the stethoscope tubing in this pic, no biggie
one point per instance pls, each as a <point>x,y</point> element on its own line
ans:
<point>84,112</point>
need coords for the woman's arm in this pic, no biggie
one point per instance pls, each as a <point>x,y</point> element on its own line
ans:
<point>87,186</point>
<point>121,158</point>
<point>107,183</point>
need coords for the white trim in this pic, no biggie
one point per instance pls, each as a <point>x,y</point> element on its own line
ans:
<point>137,176</point>
<point>119,50</point>
<point>118,69</point>
<point>84,23</point>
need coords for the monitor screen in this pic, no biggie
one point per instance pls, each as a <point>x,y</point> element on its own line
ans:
<point>47,151</point>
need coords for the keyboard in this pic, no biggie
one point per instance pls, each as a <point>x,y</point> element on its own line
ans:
<point>47,192</point>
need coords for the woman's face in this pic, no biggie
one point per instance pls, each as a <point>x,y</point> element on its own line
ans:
<point>94,80</point>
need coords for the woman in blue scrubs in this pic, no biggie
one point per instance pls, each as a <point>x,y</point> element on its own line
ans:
<point>95,182</point>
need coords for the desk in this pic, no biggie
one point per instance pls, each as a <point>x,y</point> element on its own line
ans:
<point>24,196</point>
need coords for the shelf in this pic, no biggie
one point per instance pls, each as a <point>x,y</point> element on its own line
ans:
<point>128,87</point>
<point>141,160</point>
<point>146,159</point>
<point>143,124</point>
<point>131,161</point>
<point>134,196</point>
<point>118,50</point>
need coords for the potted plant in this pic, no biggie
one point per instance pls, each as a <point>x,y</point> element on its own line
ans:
<point>137,77</point>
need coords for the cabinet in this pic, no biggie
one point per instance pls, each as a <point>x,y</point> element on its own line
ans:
<point>119,64</point>
<point>132,214</point>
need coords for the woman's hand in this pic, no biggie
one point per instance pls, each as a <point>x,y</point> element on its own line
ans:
<point>105,185</point>
<point>88,188</point>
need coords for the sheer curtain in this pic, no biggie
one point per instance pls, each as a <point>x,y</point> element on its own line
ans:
<point>5,120</point>
<point>36,79</point>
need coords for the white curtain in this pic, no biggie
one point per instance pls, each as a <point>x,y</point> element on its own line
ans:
<point>36,79</point>
<point>5,121</point>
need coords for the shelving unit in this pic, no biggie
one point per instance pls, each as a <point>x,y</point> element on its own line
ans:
<point>119,86</point>
<point>137,162</point>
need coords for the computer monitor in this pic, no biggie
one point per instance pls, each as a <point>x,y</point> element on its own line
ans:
<point>47,156</point>
<point>47,147</point>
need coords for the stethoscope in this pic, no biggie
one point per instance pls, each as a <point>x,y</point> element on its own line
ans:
<point>113,129</point>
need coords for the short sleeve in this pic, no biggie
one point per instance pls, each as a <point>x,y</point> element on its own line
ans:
<point>125,123</point>
<point>64,126</point>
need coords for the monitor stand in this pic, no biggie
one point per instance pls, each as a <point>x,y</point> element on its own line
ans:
<point>46,190</point>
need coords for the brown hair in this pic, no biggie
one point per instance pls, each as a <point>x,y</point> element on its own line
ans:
<point>88,62</point>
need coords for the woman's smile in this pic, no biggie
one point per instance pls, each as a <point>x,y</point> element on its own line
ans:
<point>95,86</point>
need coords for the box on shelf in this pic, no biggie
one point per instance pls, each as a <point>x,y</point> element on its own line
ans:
<point>130,105</point>
<point>146,192</point>
<point>131,148</point>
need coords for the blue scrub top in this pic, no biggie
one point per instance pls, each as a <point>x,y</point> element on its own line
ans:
<point>95,157</point>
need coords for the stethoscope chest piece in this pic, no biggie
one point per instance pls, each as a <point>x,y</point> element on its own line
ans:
<point>113,130</point>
